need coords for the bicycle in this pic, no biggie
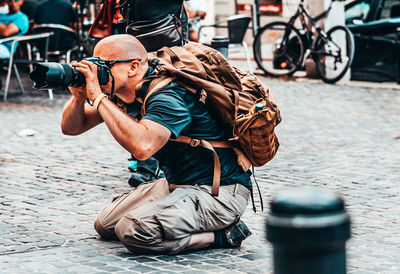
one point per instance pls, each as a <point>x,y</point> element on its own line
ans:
<point>280,49</point>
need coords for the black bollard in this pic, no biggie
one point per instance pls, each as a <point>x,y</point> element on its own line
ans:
<point>308,229</point>
<point>221,43</point>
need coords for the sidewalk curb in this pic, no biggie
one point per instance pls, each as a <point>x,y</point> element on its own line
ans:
<point>352,84</point>
<point>242,64</point>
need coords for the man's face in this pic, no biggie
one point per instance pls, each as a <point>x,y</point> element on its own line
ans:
<point>124,83</point>
<point>14,5</point>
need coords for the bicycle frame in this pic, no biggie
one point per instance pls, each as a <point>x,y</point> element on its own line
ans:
<point>308,24</point>
<point>255,14</point>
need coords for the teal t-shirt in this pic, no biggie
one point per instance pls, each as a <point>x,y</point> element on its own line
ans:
<point>20,20</point>
<point>177,109</point>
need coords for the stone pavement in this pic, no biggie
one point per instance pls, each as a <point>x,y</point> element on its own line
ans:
<point>52,186</point>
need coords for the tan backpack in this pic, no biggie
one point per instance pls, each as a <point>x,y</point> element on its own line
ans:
<point>244,105</point>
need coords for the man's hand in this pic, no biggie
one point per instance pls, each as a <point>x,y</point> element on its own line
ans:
<point>78,92</point>
<point>92,88</point>
<point>78,116</point>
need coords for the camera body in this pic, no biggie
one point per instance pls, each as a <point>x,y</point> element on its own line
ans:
<point>54,75</point>
<point>103,71</point>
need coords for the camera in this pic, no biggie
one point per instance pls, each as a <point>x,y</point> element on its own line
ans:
<point>55,75</point>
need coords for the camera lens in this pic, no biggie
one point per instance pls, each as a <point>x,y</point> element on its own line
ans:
<point>54,75</point>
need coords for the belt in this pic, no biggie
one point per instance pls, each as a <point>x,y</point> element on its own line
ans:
<point>238,188</point>
<point>241,190</point>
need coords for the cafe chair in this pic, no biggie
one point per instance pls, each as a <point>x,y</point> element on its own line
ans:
<point>28,40</point>
<point>63,43</point>
<point>237,26</point>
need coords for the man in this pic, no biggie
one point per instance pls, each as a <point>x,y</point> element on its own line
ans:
<point>157,9</point>
<point>196,10</point>
<point>13,23</point>
<point>157,221</point>
<point>57,12</point>
<point>29,8</point>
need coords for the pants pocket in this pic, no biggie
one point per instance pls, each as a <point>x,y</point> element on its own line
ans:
<point>224,209</point>
<point>182,217</point>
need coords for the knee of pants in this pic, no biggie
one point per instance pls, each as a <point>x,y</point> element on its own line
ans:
<point>135,235</point>
<point>103,231</point>
<point>122,229</point>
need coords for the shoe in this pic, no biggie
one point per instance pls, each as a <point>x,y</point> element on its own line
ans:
<point>236,233</point>
<point>137,178</point>
<point>132,166</point>
<point>144,171</point>
<point>143,176</point>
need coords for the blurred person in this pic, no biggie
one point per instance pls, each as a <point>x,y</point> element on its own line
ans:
<point>29,8</point>
<point>12,23</point>
<point>196,10</point>
<point>116,19</point>
<point>86,10</point>
<point>57,12</point>
<point>142,10</point>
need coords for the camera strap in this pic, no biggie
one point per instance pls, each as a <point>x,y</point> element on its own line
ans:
<point>111,95</point>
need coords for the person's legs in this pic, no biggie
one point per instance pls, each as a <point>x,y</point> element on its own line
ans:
<point>194,36</point>
<point>143,229</point>
<point>4,52</point>
<point>112,213</point>
<point>201,240</point>
<point>231,236</point>
<point>167,225</point>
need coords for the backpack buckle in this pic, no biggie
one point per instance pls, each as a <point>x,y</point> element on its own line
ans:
<point>194,142</point>
<point>203,96</point>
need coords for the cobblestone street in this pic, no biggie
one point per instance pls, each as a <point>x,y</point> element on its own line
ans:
<point>52,186</point>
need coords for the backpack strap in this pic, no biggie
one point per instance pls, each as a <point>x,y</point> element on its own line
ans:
<point>176,61</point>
<point>236,96</point>
<point>217,167</point>
<point>208,145</point>
<point>155,85</point>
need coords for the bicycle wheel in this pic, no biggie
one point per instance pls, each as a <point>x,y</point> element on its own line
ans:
<point>334,53</point>
<point>278,49</point>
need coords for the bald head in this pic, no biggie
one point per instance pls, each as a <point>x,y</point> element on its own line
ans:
<point>120,46</point>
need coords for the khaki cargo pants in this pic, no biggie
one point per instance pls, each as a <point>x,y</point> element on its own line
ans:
<point>151,219</point>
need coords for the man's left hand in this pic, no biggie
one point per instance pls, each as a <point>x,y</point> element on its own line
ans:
<point>89,70</point>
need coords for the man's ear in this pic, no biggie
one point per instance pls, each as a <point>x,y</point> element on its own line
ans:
<point>134,68</point>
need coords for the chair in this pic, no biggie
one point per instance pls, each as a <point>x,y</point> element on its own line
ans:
<point>237,26</point>
<point>395,11</point>
<point>12,62</point>
<point>64,41</point>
